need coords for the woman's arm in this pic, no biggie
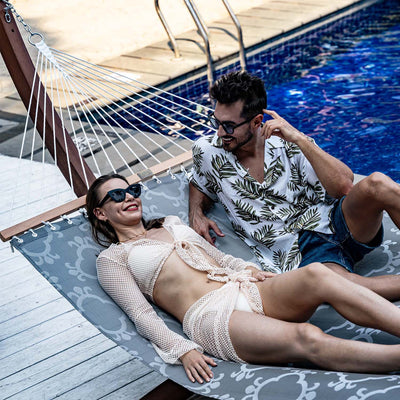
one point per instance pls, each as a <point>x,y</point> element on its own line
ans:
<point>119,283</point>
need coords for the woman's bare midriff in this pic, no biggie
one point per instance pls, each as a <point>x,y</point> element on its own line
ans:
<point>179,285</point>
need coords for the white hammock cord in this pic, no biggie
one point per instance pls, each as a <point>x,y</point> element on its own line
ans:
<point>68,84</point>
<point>71,182</point>
<point>95,133</point>
<point>74,134</point>
<point>119,136</point>
<point>128,133</point>
<point>67,64</point>
<point>142,112</point>
<point>98,67</point>
<point>27,119</point>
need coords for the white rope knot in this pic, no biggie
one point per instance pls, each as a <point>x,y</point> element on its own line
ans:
<point>45,50</point>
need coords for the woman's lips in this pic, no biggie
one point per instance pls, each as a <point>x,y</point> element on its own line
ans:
<point>131,207</point>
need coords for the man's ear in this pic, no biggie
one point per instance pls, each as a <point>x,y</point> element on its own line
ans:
<point>99,214</point>
<point>257,121</point>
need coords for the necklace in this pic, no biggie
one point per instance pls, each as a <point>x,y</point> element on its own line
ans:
<point>134,236</point>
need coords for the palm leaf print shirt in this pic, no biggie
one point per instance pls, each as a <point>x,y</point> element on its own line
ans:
<point>267,216</point>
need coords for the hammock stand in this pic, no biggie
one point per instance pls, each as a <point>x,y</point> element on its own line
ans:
<point>254,381</point>
<point>22,72</point>
<point>24,76</point>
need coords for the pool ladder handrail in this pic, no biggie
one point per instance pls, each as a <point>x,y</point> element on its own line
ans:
<point>204,33</point>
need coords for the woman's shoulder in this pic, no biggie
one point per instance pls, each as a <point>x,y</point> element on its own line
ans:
<point>114,251</point>
<point>173,220</point>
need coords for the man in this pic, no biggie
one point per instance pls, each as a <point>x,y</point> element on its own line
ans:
<point>289,200</point>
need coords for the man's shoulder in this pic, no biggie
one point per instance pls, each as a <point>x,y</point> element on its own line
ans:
<point>275,142</point>
<point>209,141</point>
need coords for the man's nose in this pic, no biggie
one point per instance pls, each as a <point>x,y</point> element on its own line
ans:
<point>220,131</point>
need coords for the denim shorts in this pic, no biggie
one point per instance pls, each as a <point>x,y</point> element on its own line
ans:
<point>340,247</point>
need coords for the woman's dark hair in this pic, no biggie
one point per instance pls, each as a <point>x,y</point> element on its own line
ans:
<point>102,231</point>
<point>240,85</point>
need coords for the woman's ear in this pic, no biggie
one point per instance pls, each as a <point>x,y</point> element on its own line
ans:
<point>99,214</point>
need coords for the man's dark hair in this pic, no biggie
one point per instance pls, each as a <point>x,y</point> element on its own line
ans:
<point>241,85</point>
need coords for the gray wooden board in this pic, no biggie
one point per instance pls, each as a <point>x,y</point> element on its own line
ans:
<point>110,382</point>
<point>56,364</point>
<point>43,349</point>
<point>137,389</point>
<point>58,384</point>
<point>24,304</point>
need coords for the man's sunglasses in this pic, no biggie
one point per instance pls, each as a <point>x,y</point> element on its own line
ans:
<point>118,195</point>
<point>228,127</point>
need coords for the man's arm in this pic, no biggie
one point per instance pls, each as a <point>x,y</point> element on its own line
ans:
<point>335,176</point>
<point>199,203</point>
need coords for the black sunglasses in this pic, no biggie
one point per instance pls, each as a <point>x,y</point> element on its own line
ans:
<point>118,195</point>
<point>228,127</point>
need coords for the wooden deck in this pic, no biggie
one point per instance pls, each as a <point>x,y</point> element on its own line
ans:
<point>47,349</point>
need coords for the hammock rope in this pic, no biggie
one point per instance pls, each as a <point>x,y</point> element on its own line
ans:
<point>118,123</point>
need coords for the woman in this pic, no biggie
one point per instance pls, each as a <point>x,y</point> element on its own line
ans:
<point>227,306</point>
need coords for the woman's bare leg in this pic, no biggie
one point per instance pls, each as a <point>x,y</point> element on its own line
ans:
<point>262,340</point>
<point>294,296</point>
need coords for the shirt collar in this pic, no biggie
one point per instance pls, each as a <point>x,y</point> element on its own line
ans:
<point>216,141</point>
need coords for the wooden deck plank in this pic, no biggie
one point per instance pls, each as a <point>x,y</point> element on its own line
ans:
<point>85,371</point>
<point>31,318</point>
<point>38,333</point>
<point>24,304</point>
<point>22,289</point>
<point>43,349</point>
<point>108,384</point>
<point>54,365</point>
<point>137,389</point>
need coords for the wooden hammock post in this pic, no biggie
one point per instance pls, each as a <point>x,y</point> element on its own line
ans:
<point>22,72</point>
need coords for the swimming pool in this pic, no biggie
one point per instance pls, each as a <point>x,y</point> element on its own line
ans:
<point>339,83</point>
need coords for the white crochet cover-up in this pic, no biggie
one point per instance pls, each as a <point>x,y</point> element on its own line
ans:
<point>128,272</point>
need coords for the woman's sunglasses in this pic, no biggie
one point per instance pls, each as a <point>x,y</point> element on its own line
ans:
<point>118,195</point>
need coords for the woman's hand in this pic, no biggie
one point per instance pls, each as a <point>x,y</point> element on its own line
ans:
<point>196,366</point>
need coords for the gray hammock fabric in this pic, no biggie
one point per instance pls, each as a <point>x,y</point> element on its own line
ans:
<point>66,256</point>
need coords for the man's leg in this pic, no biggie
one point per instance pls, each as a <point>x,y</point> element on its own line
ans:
<point>387,286</point>
<point>363,206</point>
<point>362,209</point>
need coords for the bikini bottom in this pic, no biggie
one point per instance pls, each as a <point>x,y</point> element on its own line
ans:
<point>207,321</point>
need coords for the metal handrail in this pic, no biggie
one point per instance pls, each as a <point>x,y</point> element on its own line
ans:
<point>167,29</point>
<point>240,34</point>
<point>204,34</point>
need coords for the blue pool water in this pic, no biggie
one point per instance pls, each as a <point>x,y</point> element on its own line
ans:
<point>340,84</point>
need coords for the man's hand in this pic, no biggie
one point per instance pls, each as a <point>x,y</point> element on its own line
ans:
<point>202,225</point>
<point>260,275</point>
<point>278,126</point>
<point>335,176</point>
<point>196,366</point>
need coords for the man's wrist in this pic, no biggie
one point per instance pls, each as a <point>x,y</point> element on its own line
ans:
<point>305,139</point>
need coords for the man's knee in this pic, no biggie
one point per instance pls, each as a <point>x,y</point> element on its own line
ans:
<point>378,184</point>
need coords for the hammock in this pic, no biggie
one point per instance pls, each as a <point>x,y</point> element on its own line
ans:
<point>64,253</point>
<point>99,120</point>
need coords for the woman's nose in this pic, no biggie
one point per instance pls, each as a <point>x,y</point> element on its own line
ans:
<point>128,196</point>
